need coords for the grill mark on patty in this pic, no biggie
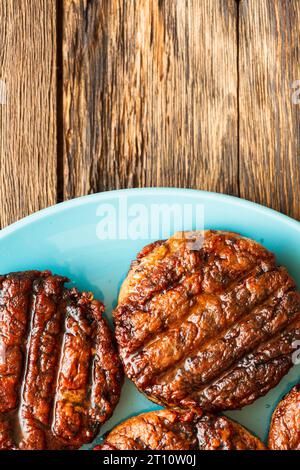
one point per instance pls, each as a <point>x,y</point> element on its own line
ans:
<point>16,307</point>
<point>73,390</point>
<point>142,327</point>
<point>251,377</point>
<point>158,276</point>
<point>89,385</point>
<point>206,323</point>
<point>38,333</point>
<point>132,317</point>
<point>171,349</point>
<point>106,376</point>
<point>43,348</point>
<point>220,353</point>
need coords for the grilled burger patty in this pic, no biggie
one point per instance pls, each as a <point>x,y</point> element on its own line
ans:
<point>60,375</point>
<point>206,320</point>
<point>285,425</point>
<point>170,430</point>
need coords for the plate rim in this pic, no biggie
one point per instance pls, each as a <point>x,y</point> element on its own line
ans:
<point>232,202</point>
<point>160,191</point>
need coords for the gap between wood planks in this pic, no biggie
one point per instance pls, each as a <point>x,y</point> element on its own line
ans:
<point>59,111</point>
<point>238,94</point>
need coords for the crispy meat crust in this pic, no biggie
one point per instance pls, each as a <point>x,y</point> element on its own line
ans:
<point>285,425</point>
<point>60,375</point>
<point>206,320</point>
<point>171,430</point>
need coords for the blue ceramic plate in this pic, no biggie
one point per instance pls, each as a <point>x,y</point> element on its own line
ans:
<point>93,239</point>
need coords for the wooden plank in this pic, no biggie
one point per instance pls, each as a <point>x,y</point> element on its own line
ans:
<point>269,48</point>
<point>28,119</point>
<point>150,94</point>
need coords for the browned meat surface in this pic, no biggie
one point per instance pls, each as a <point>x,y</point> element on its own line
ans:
<point>60,376</point>
<point>220,433</point>
<point>285,425</point>
<point>207,320</point>
<point>171,430</point>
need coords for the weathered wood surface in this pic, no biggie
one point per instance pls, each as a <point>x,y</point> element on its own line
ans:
<point>192,93</point>
<point>269,65</point>
<point>150,95</point>
<point>28,119</point>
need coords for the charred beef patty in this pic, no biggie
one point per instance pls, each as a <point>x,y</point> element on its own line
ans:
<point>170,430</point>
<point>206,320</point>
<point>285,425</point>
<point>60,375</point>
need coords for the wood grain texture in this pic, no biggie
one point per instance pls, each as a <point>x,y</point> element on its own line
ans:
<point>28,119</point>
<point>155,93</point>
<point>150,94</point>
<point>269,46</point>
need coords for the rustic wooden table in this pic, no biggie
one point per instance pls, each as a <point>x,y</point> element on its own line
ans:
<point>104,94</point>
